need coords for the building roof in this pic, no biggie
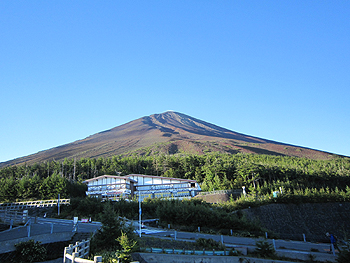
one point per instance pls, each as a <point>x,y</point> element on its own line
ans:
<point>126,177</point>
<point>162,177</point>
<point>110,176</point>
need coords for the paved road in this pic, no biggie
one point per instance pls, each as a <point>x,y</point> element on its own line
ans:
<point>46,226</point>
<point>243,241</point>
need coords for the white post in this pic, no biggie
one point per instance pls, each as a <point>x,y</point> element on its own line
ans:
<point>304,237</point>
<point>274,244</point>
<point>28,230</point>
<point>222,239</point>
<point>77,248</point>
<point>51,228</point>
<point>64,255</point>
<point>199,229</point>
<point>175,235</point>
<point>98,259</point>
<point>231,232</point>
<point>25,216</point>
<point>266,235</point>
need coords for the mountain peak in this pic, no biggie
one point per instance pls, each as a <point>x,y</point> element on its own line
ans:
<point>169,132</point>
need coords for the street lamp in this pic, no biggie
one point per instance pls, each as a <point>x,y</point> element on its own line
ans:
<point>140,211</point>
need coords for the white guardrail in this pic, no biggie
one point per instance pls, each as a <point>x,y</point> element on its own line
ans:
<point>31,204</point>
<point>78,252</point>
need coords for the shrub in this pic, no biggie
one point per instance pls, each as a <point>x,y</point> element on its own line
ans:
<point>233,252</point>
<point>128,246</point>
<point>112,228</point>
<point>265,249</point>
<point>209,243</point>
<point>29,251</point>
<point>344,255</point>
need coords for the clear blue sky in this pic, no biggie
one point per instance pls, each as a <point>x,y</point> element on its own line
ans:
<point>278,70</point>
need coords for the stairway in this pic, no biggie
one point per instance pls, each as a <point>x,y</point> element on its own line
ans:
<point>77,237</point>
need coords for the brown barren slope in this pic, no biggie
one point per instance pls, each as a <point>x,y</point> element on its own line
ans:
<point>168,133</point>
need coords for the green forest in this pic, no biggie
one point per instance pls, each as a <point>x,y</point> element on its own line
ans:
<point>260,174</point>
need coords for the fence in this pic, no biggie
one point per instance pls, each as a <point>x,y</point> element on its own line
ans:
<point>30,204</point>
<point>78,253</point>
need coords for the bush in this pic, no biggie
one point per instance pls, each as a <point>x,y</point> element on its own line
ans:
<point>29,251</point>
<point>265,249</point>
<point>112,227</point>
<point>344,255</point>
<point>209,243</point>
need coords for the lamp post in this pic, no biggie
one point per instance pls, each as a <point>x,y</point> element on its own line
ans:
<point>140,211</point>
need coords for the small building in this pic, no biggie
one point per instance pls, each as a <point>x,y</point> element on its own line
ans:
<point>141,186</point>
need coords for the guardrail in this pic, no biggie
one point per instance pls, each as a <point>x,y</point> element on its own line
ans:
<point>30,204</point>
<point>187,252</point>
<point>78,253</point>
<point>233,191</point>
<point>14,216</point>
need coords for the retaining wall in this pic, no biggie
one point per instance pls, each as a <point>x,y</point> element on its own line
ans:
<point>291,221</point>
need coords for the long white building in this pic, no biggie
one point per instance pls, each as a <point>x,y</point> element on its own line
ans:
<point>140,186</point>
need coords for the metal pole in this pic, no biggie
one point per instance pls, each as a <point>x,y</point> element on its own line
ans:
<point>58,205</point>
<point>140,211</point>
<point>333,250</point>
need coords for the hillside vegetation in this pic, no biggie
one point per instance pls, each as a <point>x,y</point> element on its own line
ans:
<point>260,174</point>
<point>297,180</point>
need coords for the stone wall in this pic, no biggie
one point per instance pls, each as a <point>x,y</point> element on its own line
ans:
<point>291,221</point>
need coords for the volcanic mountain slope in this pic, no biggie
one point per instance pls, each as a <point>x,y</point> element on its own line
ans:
<point>168,133</point>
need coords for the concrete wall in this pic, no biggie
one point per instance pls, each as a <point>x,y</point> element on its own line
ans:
<point>159,258</point>
<point>9,245</point>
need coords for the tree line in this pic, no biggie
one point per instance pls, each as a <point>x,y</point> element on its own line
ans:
<point>214,171</point>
